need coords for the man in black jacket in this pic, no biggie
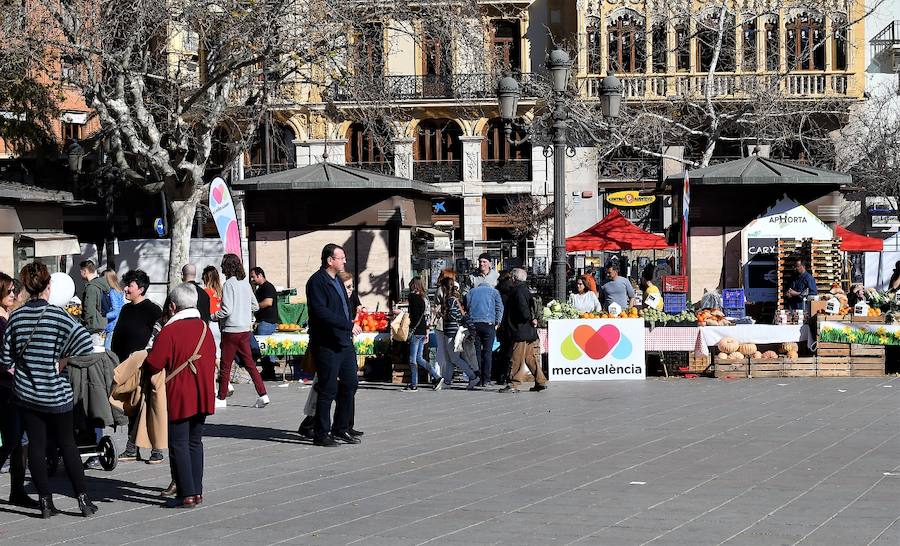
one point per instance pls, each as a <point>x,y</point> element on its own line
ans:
<point>521,327</point>
<point>331,331</point>
<point>189,275</point>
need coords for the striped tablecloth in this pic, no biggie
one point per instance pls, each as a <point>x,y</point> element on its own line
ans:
<point>674,338</point>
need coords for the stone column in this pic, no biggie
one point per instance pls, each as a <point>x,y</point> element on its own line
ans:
<point>316,149</point>
<point>403,157</point>
<point>472,217</point>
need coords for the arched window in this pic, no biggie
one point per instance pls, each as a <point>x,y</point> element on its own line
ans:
<point>438,151</point>
<point>502,161</point>
<point>772,43</point>
<point>682,46</point>
<point>660,47</point>
<point>840,31</point>
<point>365,148</point>
<point>593,34</point>
<point>805,42</point>
<point>625,36</point>
<point>748,43</point>
<point>272,149</point>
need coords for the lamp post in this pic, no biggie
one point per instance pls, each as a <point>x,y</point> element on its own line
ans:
<point>559,65</point>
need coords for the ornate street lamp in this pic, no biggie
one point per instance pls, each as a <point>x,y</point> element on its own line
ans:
<point>75,154</point>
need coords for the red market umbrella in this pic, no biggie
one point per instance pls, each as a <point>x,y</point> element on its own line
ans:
<point>854,242</point>
<point>614,232</point>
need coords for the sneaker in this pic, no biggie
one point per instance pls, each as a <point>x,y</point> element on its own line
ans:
<point>473,382</point>
<point>436,384</point>
<point>410,388</point>
<point>221,403</point>
<point>230,391</point>
<point>509,389</point>
<point>155,458</point>
<point>262,401</point>
<point>128,455</point>
<point>538,388</point>
<point>306,381</point>
<point>92,463</point>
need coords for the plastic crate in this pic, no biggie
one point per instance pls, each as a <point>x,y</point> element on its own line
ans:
<point>675,283</point>
<point>734,312</point>
<point>674,302</point>
<point>733,298</point>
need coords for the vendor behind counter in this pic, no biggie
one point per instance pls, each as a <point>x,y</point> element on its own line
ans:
<point>803,286</point>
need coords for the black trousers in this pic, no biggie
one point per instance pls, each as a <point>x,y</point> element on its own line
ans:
<point>60,428</point>
<point>186,454</point>
<point>12,430</point>
<point>338,382</point>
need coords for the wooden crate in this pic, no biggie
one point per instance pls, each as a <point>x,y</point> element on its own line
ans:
<point>870,320</point>
<point>766,367</point>
<point>699,363</point>
<point>866,369</point>
<point>731,371</point>
<point>833,366</point>
<point>800,367</point>
<point>832,349</point>
<point>857,349</point>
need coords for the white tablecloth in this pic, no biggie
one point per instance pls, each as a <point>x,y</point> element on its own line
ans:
<point>752,333</point>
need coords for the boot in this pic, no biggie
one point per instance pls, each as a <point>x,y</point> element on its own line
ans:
<point>47,508</point>
<point>170,491</point>
<point>18,497</point>
<point>87,507</point>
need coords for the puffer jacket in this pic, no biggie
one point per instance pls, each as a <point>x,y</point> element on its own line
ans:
<point>91,377</point>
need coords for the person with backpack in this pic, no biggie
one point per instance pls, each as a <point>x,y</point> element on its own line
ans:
<point>95,302</point>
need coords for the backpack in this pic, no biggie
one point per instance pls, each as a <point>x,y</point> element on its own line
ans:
<point>105,302</point>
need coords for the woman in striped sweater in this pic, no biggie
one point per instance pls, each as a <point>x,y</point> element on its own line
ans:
<point>454,316</point>
<point>38,341</point>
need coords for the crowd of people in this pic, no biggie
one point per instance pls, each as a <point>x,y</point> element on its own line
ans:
<point>588,297</point>
<point>171,364</point>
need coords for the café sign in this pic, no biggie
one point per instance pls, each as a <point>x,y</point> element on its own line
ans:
<point>629,198</point>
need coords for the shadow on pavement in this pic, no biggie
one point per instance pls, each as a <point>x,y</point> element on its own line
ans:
<point>246,432</point>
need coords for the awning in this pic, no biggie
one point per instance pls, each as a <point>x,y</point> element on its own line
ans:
<point>53,244</point>
<point>434,233</point>
<point>614,232</point>
<point>854,242</point>
<point>9,220</point>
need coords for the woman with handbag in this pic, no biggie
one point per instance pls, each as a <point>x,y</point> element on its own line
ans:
<point>418,334</point>
<point>454,318</point>
<point>38,341</point>
<point>186,350</point>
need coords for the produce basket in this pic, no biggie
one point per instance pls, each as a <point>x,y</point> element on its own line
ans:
<point>675,283</point>
<point>674,303</point>
<point>733,298</point>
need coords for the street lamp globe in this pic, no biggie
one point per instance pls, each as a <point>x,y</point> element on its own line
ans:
<point>558,63</point>
<point>610,96</point>
<point>508,97</point>
<point>75,154</point>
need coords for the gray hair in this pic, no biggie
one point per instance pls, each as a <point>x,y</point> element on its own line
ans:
<point>519,274</point>
<point>189,272</point>
<point>184,296</point>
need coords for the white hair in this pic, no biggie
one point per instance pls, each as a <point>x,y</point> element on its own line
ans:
<point>184,296</point>
<point>519,274</point>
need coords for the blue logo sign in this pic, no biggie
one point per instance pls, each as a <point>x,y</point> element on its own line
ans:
<point>159,226</point>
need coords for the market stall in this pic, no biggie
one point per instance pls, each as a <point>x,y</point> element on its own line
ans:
<point>296,343</point>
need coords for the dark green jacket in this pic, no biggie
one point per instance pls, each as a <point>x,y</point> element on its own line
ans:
<point>91,305</point>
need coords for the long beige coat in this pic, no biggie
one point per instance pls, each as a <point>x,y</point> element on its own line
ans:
<point>135,391</point>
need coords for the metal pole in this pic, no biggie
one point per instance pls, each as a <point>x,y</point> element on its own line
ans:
<point>559,198</point>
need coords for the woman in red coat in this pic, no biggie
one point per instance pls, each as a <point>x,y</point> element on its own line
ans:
<point>186,350</point>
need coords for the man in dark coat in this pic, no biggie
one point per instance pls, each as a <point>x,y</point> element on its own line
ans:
<point>505,285</point>
<point>331,331</point>
<point>521,328</point>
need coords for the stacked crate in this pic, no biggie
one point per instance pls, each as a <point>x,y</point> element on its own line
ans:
<point>733,303</point>
<point>675,289</point>
<point>826,263</point>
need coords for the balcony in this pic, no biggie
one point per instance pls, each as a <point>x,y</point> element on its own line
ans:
<point>254,170</point>
<point>382,167</point>
<point>446,170</point>
<point>722,86</point>
<point>510,170</point>
<point>477,86</point>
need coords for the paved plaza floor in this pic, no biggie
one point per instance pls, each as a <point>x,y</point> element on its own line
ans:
<point>681,462</point>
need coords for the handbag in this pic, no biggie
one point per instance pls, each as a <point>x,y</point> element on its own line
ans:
<point>400,327</point>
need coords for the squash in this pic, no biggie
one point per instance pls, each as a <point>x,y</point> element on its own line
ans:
<point>757,354</point>
<point>722,356</point>
<point>728,345</point>
<point>792,355</point>
<point>770,354</point>
<point>747,349</point>
<point>736,356</point>
<point>788,347</point>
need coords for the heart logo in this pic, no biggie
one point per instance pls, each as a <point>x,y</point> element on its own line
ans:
<point>595,344</point>
<point>218,193</point>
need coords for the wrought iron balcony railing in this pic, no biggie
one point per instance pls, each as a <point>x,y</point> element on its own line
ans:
<point>635,168</point>
<point>383,167</point>
<point>448,170</point>
<point>428,87</point>
<point>510,170</point>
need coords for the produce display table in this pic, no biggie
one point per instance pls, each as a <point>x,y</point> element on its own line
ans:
<point>295,343</point>
<point>868,333</point>
<point>292,313</point>
<point>759,334</point>
<point>664,338</point>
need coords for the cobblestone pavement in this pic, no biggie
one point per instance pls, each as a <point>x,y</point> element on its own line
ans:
<point>683,462</point>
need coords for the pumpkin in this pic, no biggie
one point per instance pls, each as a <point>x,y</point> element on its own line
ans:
<point>757,354</point>
<point>770,354</point>
<point>723,356</point>
<point>747,349</point>
<point>728,345</point>
<point>792,355</point>
<point>736,356</point>
<point>788,347</point>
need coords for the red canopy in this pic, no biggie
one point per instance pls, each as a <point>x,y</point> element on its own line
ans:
<point>854,242</point>
<point>614,232</point>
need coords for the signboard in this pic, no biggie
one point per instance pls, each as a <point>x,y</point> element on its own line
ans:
<point>596,349</point>
<point>159,227</point>
<point>788,219</point>
<point>222,208</point>
<point>867,333</point>
<point>762,246</point>
<point>629,198</point>
<point>761,280</point>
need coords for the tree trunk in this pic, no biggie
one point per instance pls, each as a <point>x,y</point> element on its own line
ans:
<point>182,214</point>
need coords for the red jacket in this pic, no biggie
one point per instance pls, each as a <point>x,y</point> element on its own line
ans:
<point>188,394</point>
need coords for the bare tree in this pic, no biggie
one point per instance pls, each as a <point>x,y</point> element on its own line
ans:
<point>527,217</point>
<point>180,86</point>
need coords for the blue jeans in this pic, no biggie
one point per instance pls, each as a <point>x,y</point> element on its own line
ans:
<point>457,360</point>
<point>416,359</point>
<point>486,334</point>
<point>263,329</point>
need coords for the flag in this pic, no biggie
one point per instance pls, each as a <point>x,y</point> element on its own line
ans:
<point>685,212</point>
